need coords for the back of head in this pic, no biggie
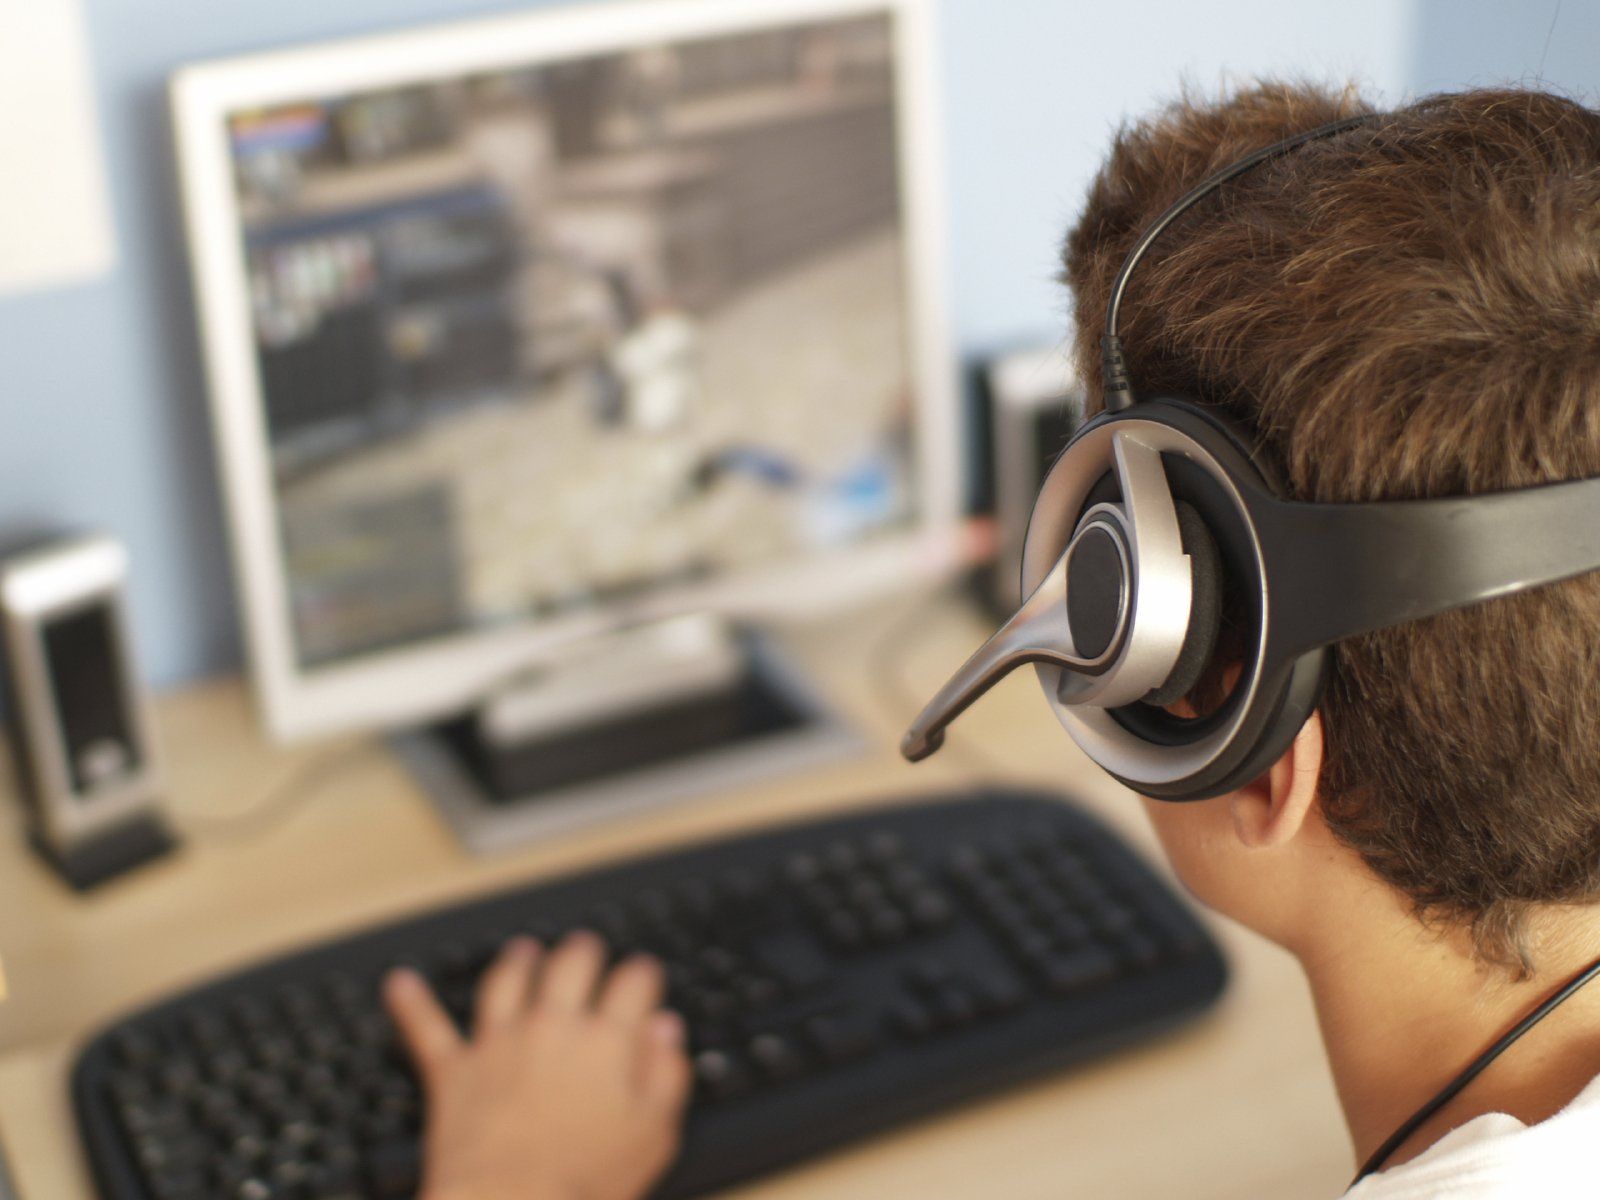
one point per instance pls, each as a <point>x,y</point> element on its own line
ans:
<point>1408,309</point>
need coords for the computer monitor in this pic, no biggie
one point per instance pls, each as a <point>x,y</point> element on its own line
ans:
<point>529,328</point>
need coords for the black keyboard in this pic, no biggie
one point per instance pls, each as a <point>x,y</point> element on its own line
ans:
<point>838,977</point>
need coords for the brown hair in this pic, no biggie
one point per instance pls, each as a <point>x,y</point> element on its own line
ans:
<point>1407,309</point>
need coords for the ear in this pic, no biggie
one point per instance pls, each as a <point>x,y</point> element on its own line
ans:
<point>1272,810</point>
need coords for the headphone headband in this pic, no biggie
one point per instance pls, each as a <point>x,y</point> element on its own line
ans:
<point>1383,564</point>
<point>1118,389</point>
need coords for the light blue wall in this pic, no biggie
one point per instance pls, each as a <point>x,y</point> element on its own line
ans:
<point>1035,87</point>
<point>102,417</point>
<point>1479,43</point>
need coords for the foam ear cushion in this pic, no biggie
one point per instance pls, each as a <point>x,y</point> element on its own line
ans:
<point>1205,608</point>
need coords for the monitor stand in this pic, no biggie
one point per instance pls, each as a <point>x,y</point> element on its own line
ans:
<point>625,723</point>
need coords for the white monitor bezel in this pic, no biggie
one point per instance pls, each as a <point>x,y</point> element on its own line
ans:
<point>447,673</point>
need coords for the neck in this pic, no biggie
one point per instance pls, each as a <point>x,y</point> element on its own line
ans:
<point>1403,1011</point>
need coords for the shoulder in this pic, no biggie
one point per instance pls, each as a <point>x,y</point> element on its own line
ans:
<point>1497,1157</point>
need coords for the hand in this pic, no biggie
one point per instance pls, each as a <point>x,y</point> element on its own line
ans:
<point>572,1086</point>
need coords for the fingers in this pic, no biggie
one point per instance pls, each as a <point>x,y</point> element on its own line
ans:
<point>427,1030</point>
<point>571,971</point>
<point>666,1074</point>
<point>567,982</point>
<point>633,991</point>
<point>503,991</point>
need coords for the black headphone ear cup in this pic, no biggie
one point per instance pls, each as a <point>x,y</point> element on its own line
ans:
<point>1205,608</point>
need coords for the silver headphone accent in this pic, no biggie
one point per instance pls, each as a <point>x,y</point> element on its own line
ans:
<point>1166,602</point>
<point>1154,599</point>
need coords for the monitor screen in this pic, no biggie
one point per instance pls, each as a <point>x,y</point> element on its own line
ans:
<point>524,329</point>
<point>538,337</point>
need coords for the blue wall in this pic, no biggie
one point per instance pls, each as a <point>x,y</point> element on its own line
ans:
<point>1477,43</point>
<point>102,414</point>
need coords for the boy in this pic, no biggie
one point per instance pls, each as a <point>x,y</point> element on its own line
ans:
<point>1410,308</point>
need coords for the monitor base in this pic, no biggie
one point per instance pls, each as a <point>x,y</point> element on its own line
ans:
<point>496,793</point>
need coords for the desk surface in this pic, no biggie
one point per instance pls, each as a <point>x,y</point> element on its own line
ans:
<point>1236,1105</point>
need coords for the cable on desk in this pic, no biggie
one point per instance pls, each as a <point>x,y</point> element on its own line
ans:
<point>277,803</point>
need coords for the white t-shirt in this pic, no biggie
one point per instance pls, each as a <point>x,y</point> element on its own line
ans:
<point>1497,1157</point>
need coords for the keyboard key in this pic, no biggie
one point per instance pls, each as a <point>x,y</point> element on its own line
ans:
<point>802,868</point>
<point>1114,920</point>
<point>1069,928</point>
<point>843,1036</point>
<point>136,1048</point>
<point>776,1056</point>
<point>251,1014</point>
<point>718,961</point>
<point>611,921</point>
<point>997,994</point>
<point>887,924</point>
<point>912,1019</point>
<point>792,960</point>
<point>1136,949</point>
<point>1176,929</point>
<point>845,929</point>
<point>185,1184</point>
<point>884,846</point>
<point>930,910</point>
<point>695,899</point>
<point>757,991</point>
<point>953,1006</point>
<point>720,1074</point>
<point>654,908</point>
<point>394,1169</point>
<point>969,863</point>
<point>867,892</point>
<point>712,1004</point>
<point>739,888</point>
<point>1077,970</point>
<point>842,857</point>
<point>206,1029</point>
<point>928,975</point>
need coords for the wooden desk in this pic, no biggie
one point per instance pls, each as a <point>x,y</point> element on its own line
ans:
<point>1236,1105</point>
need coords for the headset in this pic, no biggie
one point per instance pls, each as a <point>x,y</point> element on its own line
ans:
<point>1157,518</point>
